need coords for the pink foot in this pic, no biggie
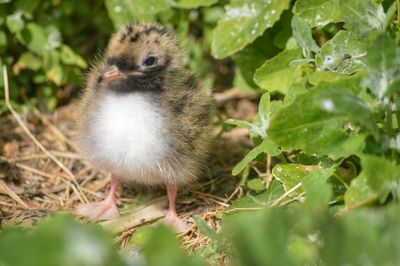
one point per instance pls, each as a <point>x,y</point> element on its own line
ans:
<point>171,218</point>
<point>103,210</point>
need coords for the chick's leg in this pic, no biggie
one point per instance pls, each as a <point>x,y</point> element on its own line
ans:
<point>171,216</point>
<point>106,209</point>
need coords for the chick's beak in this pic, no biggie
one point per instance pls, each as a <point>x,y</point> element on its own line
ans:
<point>112,73</point>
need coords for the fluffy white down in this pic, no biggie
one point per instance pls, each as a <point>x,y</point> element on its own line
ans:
<point>127,136</point>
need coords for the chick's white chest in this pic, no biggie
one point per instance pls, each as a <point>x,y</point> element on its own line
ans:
<point>128,131</point>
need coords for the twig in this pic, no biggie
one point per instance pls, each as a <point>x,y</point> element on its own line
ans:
<point>6,190</point>
<point>33,138</point>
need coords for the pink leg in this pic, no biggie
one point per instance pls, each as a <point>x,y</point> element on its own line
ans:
<point>171,216</point>
<point>106,209</point>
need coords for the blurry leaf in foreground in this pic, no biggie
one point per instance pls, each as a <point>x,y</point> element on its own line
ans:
<point>359,193</point>
<point>58,240</point>
<point>318,191</point>
<point>382,174</point>
<point>161,248</point>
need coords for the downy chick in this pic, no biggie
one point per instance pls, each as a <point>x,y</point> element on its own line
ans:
<point>143,117</point>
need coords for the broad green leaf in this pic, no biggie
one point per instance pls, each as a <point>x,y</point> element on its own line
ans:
<point>318,13</point>
<point>302,34</point>
<point>315,123</point>
<point>33,37</point>
<point>269,75</point>
<point>15,22</point>
<point>318,191</point>
<point>243,22</point>
<point>290,175</point>
<point>192,3</point>
<point>359,193</point>
<point>383,65</point>
<point>69,57</point>
<point>361,16</point>
<point>382,174</point>
<point>266,146</point>
<point>343,54</point>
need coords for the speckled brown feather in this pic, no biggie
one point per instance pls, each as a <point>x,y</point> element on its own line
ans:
<point>185,102</point>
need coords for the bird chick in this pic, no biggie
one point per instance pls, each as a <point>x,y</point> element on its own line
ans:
<point>143,117</point>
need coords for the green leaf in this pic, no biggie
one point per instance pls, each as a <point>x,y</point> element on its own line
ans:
<point>302,34</point>
<point>256,184</point>
<point>343,54</point>
<point>266,146</point>
<point>382,175</point>
<point>14,22</point>
<point>69,57</point>
<point>58,240</point>
<point>262,239</point>
<point>161,248</point>
<point>243,22</point>
<point>318,191</point>
<point>362,17</point>
<point>315,122</point>
<point>269,76</point>
<point>383,62</point>
<point>192,3</point>
<point>359,193</point>
<point>318,13</point>
<point>33,37</point>
<point>290,175</point>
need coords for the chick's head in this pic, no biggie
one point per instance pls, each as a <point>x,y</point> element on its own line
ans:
<point>140,54</point>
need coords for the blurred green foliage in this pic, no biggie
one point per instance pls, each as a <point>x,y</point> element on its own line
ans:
<point>48,45</point>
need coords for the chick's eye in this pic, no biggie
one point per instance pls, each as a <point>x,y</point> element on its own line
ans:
<point>149,61</point>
